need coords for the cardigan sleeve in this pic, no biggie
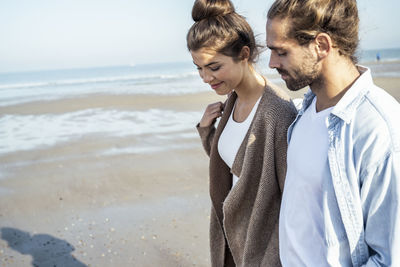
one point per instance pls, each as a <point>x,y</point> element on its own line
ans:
<point>206,136</point>
<point>287,117</point>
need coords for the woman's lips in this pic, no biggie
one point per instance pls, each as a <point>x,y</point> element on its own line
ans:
<point>216,85</point>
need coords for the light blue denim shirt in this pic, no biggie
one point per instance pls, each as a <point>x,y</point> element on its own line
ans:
<point>361,200</point>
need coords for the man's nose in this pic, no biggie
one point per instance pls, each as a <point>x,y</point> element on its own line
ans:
<point>273,61</point>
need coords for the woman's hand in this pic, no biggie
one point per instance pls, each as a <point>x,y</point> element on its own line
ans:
<point>212,112</point>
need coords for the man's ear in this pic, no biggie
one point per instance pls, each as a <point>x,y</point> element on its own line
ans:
<point>245,53</point>
<point>323,45</point>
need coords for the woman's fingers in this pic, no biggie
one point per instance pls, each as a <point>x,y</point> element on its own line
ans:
<point>212,112</point>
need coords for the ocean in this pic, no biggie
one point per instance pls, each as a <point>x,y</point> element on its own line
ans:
<point>163,79</point>
<point>21,131</point>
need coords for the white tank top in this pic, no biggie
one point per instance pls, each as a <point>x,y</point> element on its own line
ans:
<point>232,137</point>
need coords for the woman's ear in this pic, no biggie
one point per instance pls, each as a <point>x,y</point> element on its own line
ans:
<point>245,53</point>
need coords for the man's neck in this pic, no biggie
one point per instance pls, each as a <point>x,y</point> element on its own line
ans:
<point>334,82</point>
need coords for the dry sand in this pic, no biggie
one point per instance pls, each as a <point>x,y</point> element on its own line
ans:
<point>67,206</point>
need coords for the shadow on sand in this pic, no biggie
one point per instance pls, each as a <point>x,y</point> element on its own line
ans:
<point>46,250</point>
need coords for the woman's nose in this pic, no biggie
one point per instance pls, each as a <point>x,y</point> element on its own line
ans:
<point>207,77</point>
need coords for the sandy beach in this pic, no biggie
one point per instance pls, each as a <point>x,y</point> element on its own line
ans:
<point>69,205</point>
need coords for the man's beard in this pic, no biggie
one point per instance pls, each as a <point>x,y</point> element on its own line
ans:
<point>303,76</point>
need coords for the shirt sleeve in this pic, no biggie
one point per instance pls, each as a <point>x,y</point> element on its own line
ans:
<point>382,212</point>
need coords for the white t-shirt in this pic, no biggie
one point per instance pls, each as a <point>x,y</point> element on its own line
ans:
<point>301,222</point>
<point>232,137</point>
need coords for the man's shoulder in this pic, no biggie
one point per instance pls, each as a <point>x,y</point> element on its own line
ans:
<point>377,117</point>
<point>380,106</point>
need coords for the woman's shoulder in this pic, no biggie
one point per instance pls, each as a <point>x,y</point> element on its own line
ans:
<point>276,99</point>
<point>277,92</point>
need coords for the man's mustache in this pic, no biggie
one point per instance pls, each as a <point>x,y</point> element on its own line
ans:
<point>281,71</point>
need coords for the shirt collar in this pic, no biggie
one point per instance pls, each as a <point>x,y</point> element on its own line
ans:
<point>347,105</point>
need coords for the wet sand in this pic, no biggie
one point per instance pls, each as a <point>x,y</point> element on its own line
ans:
<point>134,210</point>
<point>68,205</point>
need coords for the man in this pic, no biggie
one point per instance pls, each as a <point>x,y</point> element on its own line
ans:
<point>340,204</point>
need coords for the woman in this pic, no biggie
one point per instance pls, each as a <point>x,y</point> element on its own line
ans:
<point>248,148</point>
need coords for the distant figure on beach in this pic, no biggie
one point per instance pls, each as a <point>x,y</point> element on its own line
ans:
<point>248,148</point>
<point>341,203</point>
<point>378,57</point>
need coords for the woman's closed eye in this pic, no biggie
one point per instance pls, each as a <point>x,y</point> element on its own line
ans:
<point>215,68</point>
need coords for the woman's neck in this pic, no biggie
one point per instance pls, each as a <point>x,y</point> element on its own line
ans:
<point>249,91</point>
<point>251,86</point>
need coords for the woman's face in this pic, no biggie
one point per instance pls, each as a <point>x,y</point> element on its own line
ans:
<point>221,72</point>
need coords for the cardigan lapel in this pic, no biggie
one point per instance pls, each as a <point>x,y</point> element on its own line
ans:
<point>222,184</point>
<point>247,140</point>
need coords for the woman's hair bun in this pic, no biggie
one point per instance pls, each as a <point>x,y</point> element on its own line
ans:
<point>204,9</point>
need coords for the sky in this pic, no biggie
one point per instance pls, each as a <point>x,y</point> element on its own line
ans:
<point>58,34</point>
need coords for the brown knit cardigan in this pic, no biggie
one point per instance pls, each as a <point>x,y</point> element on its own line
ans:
<point>244,220</point>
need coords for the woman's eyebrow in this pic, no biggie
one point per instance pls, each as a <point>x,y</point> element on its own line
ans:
<point>207,65</point>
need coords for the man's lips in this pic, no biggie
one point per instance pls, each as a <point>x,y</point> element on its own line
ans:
<point>216,85</point>
<point>283,73</point>
<point>283,76</point>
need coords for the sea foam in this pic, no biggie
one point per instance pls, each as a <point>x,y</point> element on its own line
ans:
<point>26,132</point>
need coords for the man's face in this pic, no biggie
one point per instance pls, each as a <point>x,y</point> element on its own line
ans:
<point>297,65</point>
